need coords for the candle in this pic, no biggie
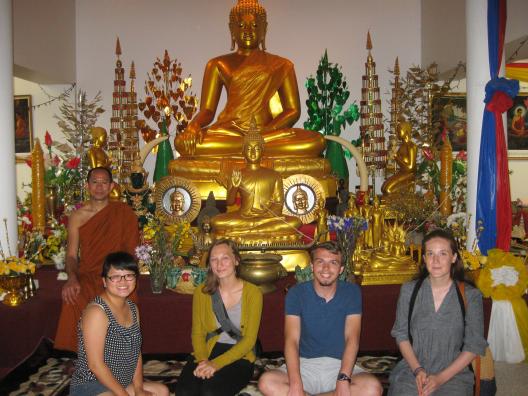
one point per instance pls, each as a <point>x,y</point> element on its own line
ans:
<point>37,178</point>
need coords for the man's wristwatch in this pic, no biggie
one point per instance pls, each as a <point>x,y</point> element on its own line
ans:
<point>343,377</point>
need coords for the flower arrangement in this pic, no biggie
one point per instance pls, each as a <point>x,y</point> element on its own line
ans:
<point>504,277</point>
<point>10,264</point>
<point>62,171</point>
<point>347,230</point>
<point>162,246</point>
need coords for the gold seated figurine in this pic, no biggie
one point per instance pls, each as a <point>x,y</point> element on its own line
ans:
<point>390,263</point>
<point>260,85</point>
<point>97,157</point>
<point>405,159</point>
<point>259,219</point>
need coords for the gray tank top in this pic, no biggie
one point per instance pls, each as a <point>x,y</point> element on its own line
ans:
<point>234,314</point>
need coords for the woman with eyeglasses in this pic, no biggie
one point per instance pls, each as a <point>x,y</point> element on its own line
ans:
<point>109,353</point>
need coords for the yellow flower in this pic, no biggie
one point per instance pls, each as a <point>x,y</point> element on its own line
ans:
<point>471,260</point>
<point>504,276</point>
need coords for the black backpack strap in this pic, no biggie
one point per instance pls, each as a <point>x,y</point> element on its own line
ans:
<point>225,323</point>
<point>411,306</point>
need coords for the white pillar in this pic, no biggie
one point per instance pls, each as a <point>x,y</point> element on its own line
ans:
<point>7,123</point>
<point>477,75</point>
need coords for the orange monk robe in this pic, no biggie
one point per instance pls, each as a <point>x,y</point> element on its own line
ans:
<point>114,228</point>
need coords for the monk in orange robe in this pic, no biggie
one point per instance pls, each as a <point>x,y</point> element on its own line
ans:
<point>96,229</point>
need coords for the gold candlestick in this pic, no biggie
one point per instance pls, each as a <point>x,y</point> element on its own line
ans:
<point>38,204</point>
<point>446,177</point>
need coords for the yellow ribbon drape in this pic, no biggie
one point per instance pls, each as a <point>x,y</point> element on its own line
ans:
<point>517,71</point>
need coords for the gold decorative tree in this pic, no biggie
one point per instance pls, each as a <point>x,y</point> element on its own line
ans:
<point>371,128</point>
<point>166,97</point>
<point>123,141</point>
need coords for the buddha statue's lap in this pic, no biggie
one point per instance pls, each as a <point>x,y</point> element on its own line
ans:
<point>255,81</point>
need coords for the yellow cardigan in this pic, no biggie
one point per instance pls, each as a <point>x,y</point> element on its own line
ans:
<point>204,321</point>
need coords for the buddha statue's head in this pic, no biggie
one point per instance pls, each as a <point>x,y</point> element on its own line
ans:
<point>98,136</point>
<point>300,200</point>
<point>253,145</point>
<point>248,24</point>
<point>177,202</point>
<point>404,130</point>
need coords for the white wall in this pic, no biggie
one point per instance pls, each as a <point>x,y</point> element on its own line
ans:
<point>44,40</point>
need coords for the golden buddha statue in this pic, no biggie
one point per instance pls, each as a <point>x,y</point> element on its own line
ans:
<point>260,85</point>
<point>389,263</point>
<point>377,222</point>
<point>322,233</point>
<point>405,159</point>
<point>97,156</point>
<point>259,218</point>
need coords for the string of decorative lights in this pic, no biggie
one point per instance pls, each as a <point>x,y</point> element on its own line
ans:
<point>51,98</point>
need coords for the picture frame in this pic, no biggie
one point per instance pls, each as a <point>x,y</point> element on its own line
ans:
<point>23,124</point>
<point>517,128</point>
<point>449,111</point>
<point>311,191</point>
<point>177,200</point>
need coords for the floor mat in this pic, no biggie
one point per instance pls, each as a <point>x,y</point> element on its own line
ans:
<point>53,378</point>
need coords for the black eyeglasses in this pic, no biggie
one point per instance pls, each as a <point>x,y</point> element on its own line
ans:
<point>117,278</point>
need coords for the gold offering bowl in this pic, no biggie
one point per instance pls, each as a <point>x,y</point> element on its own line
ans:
<point>13,285</point>
<point>263,270</point>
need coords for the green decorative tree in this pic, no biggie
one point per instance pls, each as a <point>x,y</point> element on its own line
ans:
<point>164,156</point>
<point>327,95</point>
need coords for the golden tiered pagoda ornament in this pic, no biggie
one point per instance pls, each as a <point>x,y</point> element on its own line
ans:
<point>123,142</point>
<point>371,128</point>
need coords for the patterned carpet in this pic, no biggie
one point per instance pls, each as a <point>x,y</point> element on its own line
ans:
<point>52,378</point>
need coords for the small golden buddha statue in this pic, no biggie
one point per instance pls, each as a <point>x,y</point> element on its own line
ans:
<point>259,218</point>
<point>97,156</point>
<point>352,210</point>
<point>393,250</point>
<point>321,232</point>
<point>177,203</point>
<point>406,161</point>
<point>377,217</point>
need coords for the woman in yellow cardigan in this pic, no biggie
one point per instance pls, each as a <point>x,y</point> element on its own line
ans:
<point>223,360</point>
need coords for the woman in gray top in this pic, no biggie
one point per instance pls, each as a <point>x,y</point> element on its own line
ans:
<point>109,358</point>
<point>441,336</point>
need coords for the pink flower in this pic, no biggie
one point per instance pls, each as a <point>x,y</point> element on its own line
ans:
<point>47,139</point>
<point>462,155</point>
<point>56,160</point>
<point>73,163</point>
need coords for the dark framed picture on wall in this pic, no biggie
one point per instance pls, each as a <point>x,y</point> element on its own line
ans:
<point>449,112</point>
<point>518,127</point>
<point>23,126</point>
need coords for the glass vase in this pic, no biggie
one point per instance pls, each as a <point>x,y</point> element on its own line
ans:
<point>157,282</point>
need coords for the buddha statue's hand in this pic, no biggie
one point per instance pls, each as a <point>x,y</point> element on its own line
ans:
<point>236,178</point>
<point>191,136</point>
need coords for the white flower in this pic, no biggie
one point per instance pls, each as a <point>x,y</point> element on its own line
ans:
<point>505,275</point>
